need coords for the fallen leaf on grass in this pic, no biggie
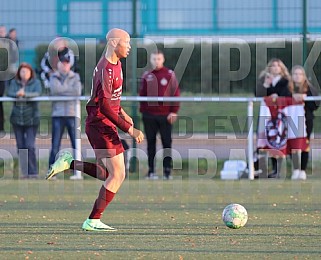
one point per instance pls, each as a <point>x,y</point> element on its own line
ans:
<point>233,242</point>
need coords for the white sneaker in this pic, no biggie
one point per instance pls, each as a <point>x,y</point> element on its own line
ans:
<point>302,175</point>
<point>96,225</point>
<point>151,176</point>
<point>295,174</point>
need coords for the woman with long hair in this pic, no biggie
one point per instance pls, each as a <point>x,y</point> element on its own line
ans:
<point>25,118</point>
<point>275,81</point>
<point>303,88</point>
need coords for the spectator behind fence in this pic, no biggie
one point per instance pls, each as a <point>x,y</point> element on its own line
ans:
<point>159,116</point>
<point>3,33</point>
<point>303,88</point>
<point>25,118</point>
<point>51,58</point>
<point>14,53</point>
<point>63,82</point>
<point>275,81</point>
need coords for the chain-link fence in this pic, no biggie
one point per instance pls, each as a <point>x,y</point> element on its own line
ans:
<point>220,42</point>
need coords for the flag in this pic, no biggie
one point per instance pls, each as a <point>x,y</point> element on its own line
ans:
<point>282,126</point>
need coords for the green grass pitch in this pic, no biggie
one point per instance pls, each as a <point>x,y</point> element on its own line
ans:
<point>179,219</point>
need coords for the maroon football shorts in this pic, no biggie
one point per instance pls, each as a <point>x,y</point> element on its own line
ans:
<point>104,140</point>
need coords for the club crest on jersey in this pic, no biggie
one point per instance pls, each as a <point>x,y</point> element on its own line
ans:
<point>163,81</point>
<point>276,131</point>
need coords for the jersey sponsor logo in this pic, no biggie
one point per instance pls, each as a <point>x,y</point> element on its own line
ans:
<point>118,89</point>
<point>117,93</point>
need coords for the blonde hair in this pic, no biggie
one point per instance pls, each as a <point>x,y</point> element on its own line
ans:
<point>284,72</point>
<point>304,87</point>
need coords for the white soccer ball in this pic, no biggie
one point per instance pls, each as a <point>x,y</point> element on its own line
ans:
<point>234,216</point>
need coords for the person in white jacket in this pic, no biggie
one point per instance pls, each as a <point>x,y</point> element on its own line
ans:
<point>63,82</point>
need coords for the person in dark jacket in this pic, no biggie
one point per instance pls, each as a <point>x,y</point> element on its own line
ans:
<point>25,118</point>
<point>159,116</point>
<point>275,81</point>
<point>303,88</point>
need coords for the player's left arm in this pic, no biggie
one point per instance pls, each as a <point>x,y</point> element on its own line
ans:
<point>175,92</point>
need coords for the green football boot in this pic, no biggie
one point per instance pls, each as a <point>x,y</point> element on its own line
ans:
<point>96,225</point>
<point>61,164</point>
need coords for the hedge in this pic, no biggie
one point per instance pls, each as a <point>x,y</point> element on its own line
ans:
<point>209,64</point>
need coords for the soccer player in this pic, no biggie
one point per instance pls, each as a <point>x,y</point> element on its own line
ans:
<point>104,115</point>
<point>159,116</point>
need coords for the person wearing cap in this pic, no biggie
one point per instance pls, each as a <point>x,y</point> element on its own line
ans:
<point>48,64</point>
<point>63,82</point>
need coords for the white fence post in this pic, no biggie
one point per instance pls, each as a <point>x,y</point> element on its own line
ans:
<point>250,139</point>
<point>77,174</point>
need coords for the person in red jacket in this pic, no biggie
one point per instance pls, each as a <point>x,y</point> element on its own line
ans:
<point>159,116</point>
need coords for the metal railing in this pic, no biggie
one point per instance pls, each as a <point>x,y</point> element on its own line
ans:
<point>248,100</point>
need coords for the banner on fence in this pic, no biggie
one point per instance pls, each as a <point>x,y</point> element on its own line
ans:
<point>282,127</point>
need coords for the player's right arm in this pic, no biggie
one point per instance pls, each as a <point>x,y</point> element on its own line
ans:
<point>119,121</point>
<point>104,100</point>
<point>116,119</point>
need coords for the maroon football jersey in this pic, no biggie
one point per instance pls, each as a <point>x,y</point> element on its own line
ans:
<point>106,84</point>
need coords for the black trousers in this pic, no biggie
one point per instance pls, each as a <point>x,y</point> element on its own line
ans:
<point>152,125</point>
<point>305,154</point>
<point>2,89</point>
